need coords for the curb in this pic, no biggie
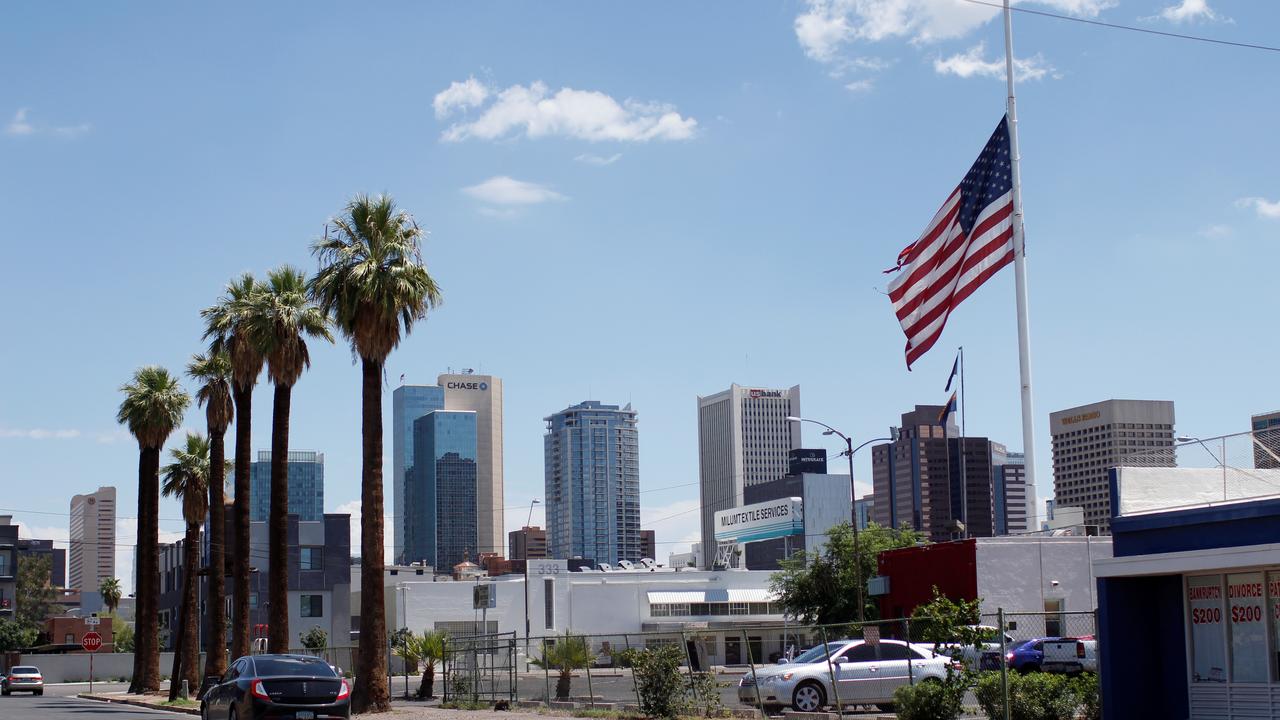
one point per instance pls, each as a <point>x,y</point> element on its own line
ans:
<point>139,703</point>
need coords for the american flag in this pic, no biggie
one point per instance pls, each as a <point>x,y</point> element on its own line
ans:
<point>967,242</point>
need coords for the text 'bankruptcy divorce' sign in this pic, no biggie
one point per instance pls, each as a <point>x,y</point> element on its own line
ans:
<point>760,521</point>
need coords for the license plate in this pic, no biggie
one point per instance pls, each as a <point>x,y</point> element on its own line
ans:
<point>304,715</point>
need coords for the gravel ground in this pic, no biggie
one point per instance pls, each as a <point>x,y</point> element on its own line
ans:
<point>426,712</point>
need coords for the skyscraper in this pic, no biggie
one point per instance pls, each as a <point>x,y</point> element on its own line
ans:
<point>930,479</point>
<point>1091,439</point>
<point>440,496</point>
<point>743,439</point>
<point>528,543</point>
<point>1266,439</point>
<point>480,394</point>
<point>591,462</point>
<point>91,557</point>
<point>305,480</point>
<point>1015,500</point>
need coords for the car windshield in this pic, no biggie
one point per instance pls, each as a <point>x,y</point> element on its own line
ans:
<point>278,665</point>
<point>24,670</point>
<point>817,653</point>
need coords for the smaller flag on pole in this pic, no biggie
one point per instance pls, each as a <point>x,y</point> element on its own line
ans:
<point>947,409</point>
<point>955,368</point>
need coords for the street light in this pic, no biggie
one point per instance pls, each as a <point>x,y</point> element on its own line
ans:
<point>525,534</point>
<point>853,498</point>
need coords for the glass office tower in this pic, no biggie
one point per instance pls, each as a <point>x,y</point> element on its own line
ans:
<point>306,486</point>
<point>440,492</point>
<point>408,403</point>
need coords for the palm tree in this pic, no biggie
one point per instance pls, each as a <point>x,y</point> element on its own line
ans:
<point>429,648</point>
<point>213,372</point>
<point>226,326</point>
<point>153,406</point>
<point>285,315</point>
<point>188,477</point>
<point>569,653</point>
<point>373,284</point>
<point>109,589</point>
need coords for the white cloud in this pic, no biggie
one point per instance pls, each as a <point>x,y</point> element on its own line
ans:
<point>863,85</point>
<point>973,63</point>
<point>38,433</point>
<point>1188,11</point>
<point>460,95</point>
<point>1215,232</point>
<point>1264,207</point>
<point>21,126</point>
<point>503,190</point>
<point>676,525</point>
<point>590,115</point>
<point>600,160</point>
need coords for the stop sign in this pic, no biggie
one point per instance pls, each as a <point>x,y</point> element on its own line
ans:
<point>91,642</point>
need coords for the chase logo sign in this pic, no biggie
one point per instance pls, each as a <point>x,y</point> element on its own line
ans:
<point>467,385</point>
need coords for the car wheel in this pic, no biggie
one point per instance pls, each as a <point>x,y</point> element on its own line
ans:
<point>886,707</point>
<point>38,692</point>
<point>231,714</point>
<point>809,697</point>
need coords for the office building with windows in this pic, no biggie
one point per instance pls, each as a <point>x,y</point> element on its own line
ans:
<point>528,543</point>
<point>932,480</point>
<point>591,460</point>
<point>1013,498</point>
<point>464,392</point>
<point>440,496</point>
<point>648,544</point>
<point>1266,439</point>
<point>1091,439</point>
<point>91,554</point>
<point>744,439</point>
<point>306,485</point>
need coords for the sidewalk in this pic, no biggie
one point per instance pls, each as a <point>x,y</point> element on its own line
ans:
<point>154,702</point>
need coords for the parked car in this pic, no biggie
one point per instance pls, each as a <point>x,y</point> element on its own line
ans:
<point>1049,654</point>
<point>865,674</point>
<point>292,686</point>
<point>970,654</point>
<point>22,678</point>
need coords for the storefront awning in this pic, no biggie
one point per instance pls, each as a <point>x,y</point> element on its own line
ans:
<point>737,595</point>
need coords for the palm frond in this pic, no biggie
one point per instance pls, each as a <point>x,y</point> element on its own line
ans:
<point>285,316</point>
<point>153,405</point>
<point>187,477</point>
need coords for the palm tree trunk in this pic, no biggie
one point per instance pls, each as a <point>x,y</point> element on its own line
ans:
<point>186,654</point>
<point>371,693</point>
<point>278,528</point>
<point>427,688</point>
<point>215,642</point>
<point>243,398</point>
<point>146,651</point>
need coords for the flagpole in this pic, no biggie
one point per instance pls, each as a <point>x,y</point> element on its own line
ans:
<point>964,466</point>
<point>1019,261</point>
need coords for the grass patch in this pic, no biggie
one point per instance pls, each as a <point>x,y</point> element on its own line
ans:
<point>188,703</point>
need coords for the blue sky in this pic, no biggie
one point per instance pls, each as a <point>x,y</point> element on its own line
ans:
<point>630,203</point>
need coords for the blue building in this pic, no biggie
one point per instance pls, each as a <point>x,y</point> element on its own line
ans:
<point>1189,606</point>
<point>306,486</point>
<point>408,403</point>
<point>440,490</point>
<point>592,468</point>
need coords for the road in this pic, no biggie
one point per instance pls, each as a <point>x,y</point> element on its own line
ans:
<point>59,703</point>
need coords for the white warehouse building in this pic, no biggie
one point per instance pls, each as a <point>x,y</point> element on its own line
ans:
<point>724,613</point>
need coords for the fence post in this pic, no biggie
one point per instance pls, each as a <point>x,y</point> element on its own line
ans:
<point>546,674</point>
<point>835,687</point>
<point>755,682</point>
<point>906,630</point>
<point>693,688</point>
<point>635,685</point>
<point>1004,663</point>
<point>591,693</point>
<point>444,670</point>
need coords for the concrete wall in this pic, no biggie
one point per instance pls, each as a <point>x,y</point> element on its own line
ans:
<point>1021,573</point>
<point>74,667</point>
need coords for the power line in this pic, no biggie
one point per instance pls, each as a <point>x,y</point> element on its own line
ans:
<point>1131,28</point>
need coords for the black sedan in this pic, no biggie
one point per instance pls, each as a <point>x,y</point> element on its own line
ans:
<point>300,687</point>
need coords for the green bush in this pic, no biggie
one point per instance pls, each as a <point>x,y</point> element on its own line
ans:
<point>658,680</point>
<point>704,696</point>
<point>1036,696</point>
<point>930,700</point>
<point>1087,691</point>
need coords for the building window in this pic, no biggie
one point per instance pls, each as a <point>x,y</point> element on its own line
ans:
<point>1249,662</point>
<point>69,638</point>
<point>253,600</point>
<point>548,603</point>
<point>312,606</point>
<point>1208,630</point>
<point>312,558</point>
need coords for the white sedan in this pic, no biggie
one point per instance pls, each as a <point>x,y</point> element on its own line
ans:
<point>864,674</point>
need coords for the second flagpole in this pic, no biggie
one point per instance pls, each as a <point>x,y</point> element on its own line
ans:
<point>1020,260</point>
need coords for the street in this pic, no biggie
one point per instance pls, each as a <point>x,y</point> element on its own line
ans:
<point>59,703</point>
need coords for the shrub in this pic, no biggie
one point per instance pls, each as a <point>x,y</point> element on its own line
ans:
<point>930,700</point>
<point>1037,696</point>
<point>1087,692</point>
<point>658,680</point>
<point>704,696</point>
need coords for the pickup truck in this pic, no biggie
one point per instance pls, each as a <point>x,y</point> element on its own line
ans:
<point>1050,654</point>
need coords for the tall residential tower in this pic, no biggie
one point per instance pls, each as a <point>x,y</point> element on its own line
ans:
<point>592,466</point>
<point>743,439</point>
<point>91,557</point>
<point>305,480</point>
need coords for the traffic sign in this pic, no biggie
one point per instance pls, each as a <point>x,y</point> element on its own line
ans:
<point>92,621</point>
<point>91,642</point>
